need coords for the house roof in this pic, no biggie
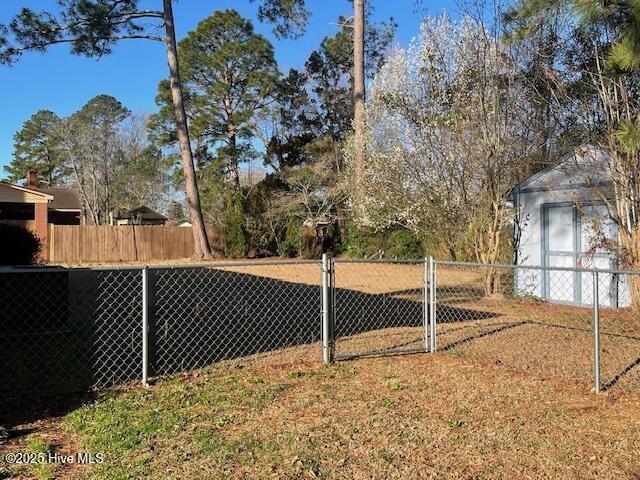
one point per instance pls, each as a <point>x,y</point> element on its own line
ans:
<point>64,199</point>
<point>17,194</point>
<point>141,213</point>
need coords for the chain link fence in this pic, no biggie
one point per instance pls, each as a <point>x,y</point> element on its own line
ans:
<point>497,316</point>
<point>574,324</point>
<point>203,315</point>
<point>66,330</point>
<point>63,330</point>
<point>619,326</point>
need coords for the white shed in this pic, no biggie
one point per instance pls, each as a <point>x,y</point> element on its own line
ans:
<point>560,222</point>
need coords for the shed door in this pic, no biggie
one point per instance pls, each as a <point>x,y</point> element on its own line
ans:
<point>569,242</point>
<point>560,246</point>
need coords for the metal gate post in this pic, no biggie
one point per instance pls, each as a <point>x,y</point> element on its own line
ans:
<point>596,332</point>
<point>145,326</point>
<point>432,304</point>
<point>426,280</point>
<point>332,307</point>
<point>327,332</point>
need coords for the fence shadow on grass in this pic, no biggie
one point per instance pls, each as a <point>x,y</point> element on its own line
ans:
<point>203,315</point>
<point>621,375</point>
<point>68,330</point>
<point>63,331</point>
<point>469,338</point>
<point>391,314</point>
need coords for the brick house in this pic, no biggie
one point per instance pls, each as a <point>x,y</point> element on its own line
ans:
<point>36,207</point>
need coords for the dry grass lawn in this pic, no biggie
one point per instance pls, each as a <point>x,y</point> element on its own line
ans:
<point>413,416</point>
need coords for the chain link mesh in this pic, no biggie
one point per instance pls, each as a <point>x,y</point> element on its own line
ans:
<point>539,321</point>
<point>619,330</point>
<point>378,307</point>
<point>67,330</point>
<point>203,315</point>
<point>499,316</point>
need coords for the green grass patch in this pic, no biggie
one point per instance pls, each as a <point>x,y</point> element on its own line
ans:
<point>396,387</point>
<point>455,423</point>
<point>42,470</point>
<point>183,420</point>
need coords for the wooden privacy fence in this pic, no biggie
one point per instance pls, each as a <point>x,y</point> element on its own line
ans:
<point>126,243</point>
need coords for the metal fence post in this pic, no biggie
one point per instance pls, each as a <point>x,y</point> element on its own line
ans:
<point>145,326</point>
<point>426,280</point>
<point>327,307</point>
<point>596,331</point>
<point>332,307</point>
<point>432,305</point>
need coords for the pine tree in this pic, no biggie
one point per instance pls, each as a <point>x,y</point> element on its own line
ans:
<point>93,27</point>
<point>229,74</point>
<point>620,17</point>
<point>35,148</point>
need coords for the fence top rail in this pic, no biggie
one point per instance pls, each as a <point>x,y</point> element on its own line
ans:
<point>62,269</point>
<point>536,267</point>
<point>266,263</point>
<point>59,269</point>
<point>235,264</point>
<point>381,260</point>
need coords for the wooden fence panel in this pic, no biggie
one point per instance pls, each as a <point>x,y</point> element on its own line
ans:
<point>125,243</point>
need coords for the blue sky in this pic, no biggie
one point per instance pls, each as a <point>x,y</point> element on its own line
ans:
<point>62,82</point>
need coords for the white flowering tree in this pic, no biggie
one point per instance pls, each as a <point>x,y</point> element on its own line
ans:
<point>448,133</point>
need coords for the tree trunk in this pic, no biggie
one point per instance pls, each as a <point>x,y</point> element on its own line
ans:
<point>233,144</point>
<point>235,171</point>
<point>201,243</point>
<point>358,96</point>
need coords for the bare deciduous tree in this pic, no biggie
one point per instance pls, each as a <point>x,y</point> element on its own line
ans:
<point>448,131</point>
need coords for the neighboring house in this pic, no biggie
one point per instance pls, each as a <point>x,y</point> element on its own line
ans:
<point>35,207</point>
<point>561,221</point>
<point>65,208</point>
<point>141,216</point>
<point>26,207</point>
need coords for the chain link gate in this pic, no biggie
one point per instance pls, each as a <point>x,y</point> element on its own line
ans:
<point>375,307</point>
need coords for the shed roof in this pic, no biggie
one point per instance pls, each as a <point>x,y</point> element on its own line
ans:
<point>142,213</point>
<point>584,167</point>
